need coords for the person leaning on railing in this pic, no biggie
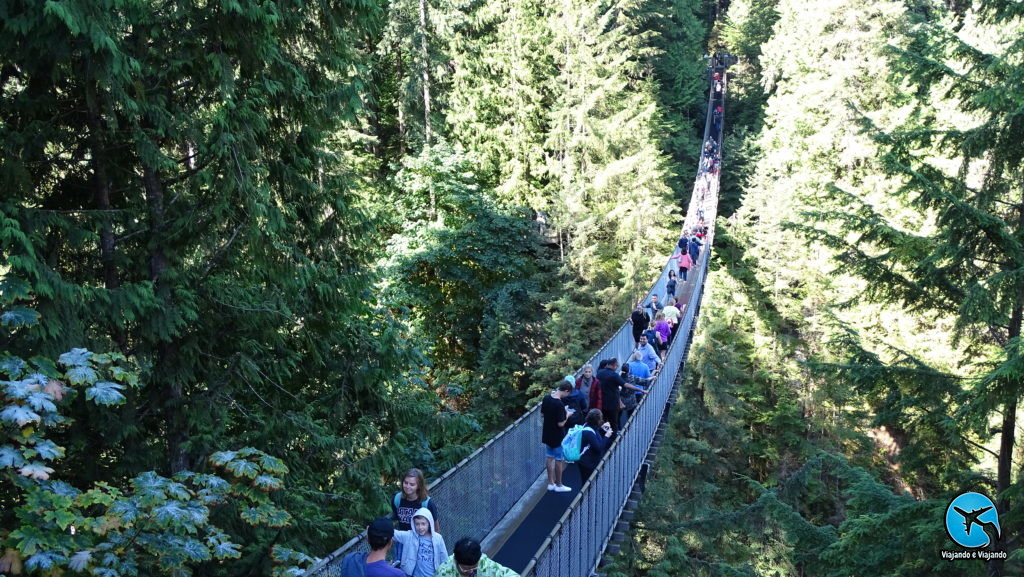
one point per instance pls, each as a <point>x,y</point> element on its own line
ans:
<point>597,436</point>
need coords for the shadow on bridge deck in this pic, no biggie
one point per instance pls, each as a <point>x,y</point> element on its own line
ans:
<point>537,524</point>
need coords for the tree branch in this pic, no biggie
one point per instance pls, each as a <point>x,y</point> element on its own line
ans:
<point>219,253</point>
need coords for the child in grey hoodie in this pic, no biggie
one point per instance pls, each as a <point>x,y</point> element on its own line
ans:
<point>423,549</point>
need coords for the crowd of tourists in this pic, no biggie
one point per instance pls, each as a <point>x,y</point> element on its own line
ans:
<point>598,404</point>
<point>411,537</point>
<point>580,417</point>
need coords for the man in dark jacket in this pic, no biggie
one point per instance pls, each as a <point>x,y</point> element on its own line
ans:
<point>611,383</point>
<point>639,319</point>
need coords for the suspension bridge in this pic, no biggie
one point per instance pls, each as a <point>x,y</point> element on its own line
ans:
<point>497,495</point>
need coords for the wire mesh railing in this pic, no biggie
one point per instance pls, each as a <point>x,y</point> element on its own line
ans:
<point>576,542</point>
<point>477,493</point>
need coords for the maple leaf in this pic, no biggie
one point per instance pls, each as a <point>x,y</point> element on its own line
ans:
<point>19,414</point>
<point>10,457</point>
<point>79,561</point>
<point>75,358</point>
<point>13,366</point>
<point>105,393</point>
<point>227,550</point>
<point>48,450</point>
<point>55,389</point>
<point>11,562</point>
<point>36,470</point>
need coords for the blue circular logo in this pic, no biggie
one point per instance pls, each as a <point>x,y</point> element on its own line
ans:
<point>972,521</point>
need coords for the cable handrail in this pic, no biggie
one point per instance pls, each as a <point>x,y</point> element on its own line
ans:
<point>568,549</point>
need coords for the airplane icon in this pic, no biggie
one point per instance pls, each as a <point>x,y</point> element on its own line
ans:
<point>972,517</point>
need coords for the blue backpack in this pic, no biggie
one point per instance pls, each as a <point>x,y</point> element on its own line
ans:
<point>572,444</point>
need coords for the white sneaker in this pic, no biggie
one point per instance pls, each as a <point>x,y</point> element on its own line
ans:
<point>562,489</point>
<point>551,487</point>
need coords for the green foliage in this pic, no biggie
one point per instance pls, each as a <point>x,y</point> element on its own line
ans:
<point>865,367</point>
<point>470,281</point>
<point>187,185</point>
<point>956,158</point>
<point>149,525</point>
<point>211,191</point>
<point>679,36</point>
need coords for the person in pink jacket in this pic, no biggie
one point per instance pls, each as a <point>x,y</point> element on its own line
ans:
<point>683,262</point>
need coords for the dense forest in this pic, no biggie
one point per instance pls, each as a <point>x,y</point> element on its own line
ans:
<point>858,362</point>
<point>258,258</point>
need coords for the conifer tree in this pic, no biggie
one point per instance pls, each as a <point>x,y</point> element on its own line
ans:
<point>610,184</point>
<point>964,169</point>
<point>183,185</point>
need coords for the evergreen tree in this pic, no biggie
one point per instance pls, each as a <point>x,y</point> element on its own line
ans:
<point>756,485</point>
<point>184,186</point>
<point>612,207</point>
<point>679,35</point>
<point>963,170</point>
<point>469,282</point>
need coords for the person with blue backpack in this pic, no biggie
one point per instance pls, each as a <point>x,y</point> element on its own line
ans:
<point>411,498</point>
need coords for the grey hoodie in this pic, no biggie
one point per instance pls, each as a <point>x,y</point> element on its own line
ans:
<point>411,546</point>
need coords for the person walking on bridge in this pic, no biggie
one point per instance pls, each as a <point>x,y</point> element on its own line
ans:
<point>380,536</point>
<point>585,382</point>
<point>653,306</point>
<point>639,319</point>
<point>555,415</point>
<point>404,504</point>
<point>414,494</point>
<point>648,355</point>
<point>423,550</point>
<point>695,245</point>
<point>597,435</point>
<point>468,561</point>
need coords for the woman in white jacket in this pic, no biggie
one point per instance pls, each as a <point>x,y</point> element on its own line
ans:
<point>423,549</point>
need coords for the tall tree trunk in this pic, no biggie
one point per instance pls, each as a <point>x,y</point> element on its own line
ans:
<point>425,76</point>
<point>174,405</point>
<point>101,192</point>
<point>1007,440</point>
<point>101,180</point>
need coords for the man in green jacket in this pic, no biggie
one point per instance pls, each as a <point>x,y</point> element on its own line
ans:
<point>469,561</point>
